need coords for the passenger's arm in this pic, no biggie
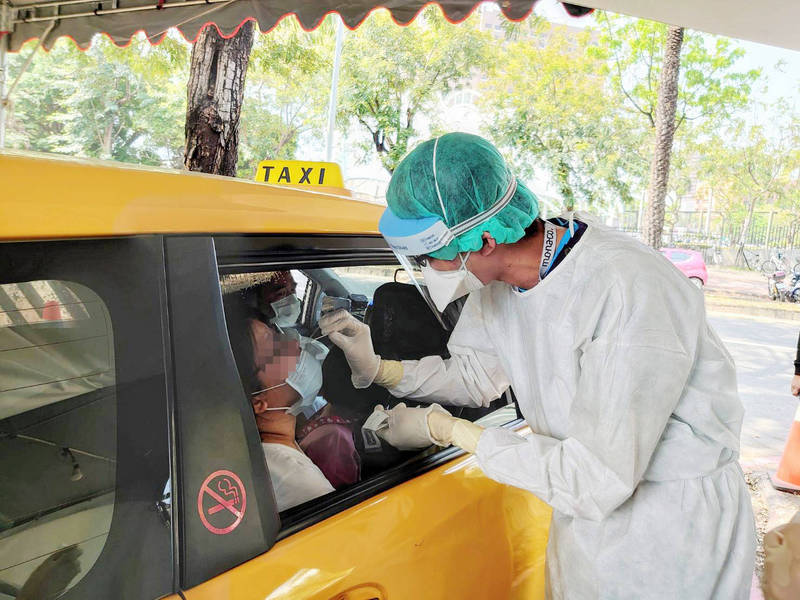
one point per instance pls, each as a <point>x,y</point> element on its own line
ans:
<point>634,370</point>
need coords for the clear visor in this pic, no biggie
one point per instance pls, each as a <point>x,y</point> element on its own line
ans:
<point>409,264</point>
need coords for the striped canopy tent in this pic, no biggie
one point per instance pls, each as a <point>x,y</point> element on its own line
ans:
<point>766,21</point>
<point>23,20</point>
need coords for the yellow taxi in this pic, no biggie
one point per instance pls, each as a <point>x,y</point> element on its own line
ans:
<point>133,463</point>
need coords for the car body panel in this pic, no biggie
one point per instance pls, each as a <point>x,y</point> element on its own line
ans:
<point>443,532</point>
<point>689,262</point>
<point>450,533</point>
<point>96,198</point>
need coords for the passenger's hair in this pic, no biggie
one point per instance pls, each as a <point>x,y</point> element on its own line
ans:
<point>237,318</point>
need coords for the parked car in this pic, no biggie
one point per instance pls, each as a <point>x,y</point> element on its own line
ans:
<point>690,262</point>
<point>131,464</point>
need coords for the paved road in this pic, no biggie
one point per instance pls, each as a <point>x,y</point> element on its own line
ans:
<point>763,350</point>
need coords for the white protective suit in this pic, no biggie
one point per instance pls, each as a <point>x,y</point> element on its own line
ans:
<point>632,400</point>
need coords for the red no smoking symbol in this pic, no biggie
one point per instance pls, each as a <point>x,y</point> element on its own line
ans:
<point>221,502</point>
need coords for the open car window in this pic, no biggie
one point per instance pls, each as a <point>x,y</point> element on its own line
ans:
<point>326,451</point>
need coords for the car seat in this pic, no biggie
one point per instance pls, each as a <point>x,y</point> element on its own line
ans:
<point>403,328</point>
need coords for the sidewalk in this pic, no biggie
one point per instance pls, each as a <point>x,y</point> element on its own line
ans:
<point>745,292</point>
<point>728,281</point>
<point>771,508</point>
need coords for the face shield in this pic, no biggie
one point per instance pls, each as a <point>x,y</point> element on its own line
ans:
<point>412,240</point>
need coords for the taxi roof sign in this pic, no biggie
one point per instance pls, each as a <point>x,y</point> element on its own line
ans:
<point>300,172</point>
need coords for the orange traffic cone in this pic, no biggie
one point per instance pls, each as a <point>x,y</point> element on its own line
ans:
<point>788,476</point>
<point>51,311</point>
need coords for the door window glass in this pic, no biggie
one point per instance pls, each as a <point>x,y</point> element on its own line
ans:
<point>680,257</point>
<point>57,475</point>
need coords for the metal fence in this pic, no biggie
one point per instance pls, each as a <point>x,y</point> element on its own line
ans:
<point>718,236</point>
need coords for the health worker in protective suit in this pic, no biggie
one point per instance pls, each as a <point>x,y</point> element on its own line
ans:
<point>630,396</point>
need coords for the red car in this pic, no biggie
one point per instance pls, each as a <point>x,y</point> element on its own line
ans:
<point>690,262</point>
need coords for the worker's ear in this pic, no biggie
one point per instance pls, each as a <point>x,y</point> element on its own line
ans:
<point>489,244</point>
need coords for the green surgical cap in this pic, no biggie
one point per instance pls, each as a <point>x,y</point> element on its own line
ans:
<point>471,176</point>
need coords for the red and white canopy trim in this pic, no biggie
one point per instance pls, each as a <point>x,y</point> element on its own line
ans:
<point>22,20</point>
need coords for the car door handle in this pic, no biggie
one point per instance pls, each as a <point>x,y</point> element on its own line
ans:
<point>367,591</point>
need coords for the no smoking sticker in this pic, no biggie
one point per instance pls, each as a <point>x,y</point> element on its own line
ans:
<point>221,502</point>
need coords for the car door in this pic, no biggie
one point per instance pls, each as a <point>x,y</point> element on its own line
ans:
<point>85,478</point>
<point>427,525</point>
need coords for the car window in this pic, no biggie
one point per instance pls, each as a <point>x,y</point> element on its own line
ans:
<point>58,478</point>
<point>327,447</point>
<point>677,256</point>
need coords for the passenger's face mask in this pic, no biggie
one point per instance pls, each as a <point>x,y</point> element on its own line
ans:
<point>446,286</point>
<point>307,406</point>
<point>306,380</point>
<point>286,310</point>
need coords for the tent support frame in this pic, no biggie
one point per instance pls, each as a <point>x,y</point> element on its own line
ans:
<point>99,12</point>
<point>5,25</point>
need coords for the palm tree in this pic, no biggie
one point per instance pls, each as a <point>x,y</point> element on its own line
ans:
<point>665,131</point>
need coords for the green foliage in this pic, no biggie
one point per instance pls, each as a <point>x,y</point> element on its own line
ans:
<point>582,105</point>
<point>749,165</point>
<point>550,103</point>
<point>393,76</point>
<point>288,81</point>
<point>125,104</point>
<point>710,88</point>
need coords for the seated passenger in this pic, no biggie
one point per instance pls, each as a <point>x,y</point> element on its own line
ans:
<point>265,377</point>
<point>327,439</point>
<point>295,477</point>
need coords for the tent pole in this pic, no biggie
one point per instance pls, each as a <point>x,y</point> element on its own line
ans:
<point>3,98</point>
<point>337,60</point>
<point>5,25</point>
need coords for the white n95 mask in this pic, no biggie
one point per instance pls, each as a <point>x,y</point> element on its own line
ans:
<point>307,376</point>
<point>446,286</point>
<point>286,310</point>
<point>308,406</point>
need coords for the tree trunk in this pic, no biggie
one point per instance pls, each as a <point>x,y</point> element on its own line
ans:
<point>214,100</point>
<point>665,131</point>
<point>746,225</point>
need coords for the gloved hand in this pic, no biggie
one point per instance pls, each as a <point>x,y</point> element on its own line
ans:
<point>353,337</point>
<point>407,427</point>
<point>446,429</point>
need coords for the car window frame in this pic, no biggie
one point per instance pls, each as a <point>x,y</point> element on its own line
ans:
<point>211,408</point>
